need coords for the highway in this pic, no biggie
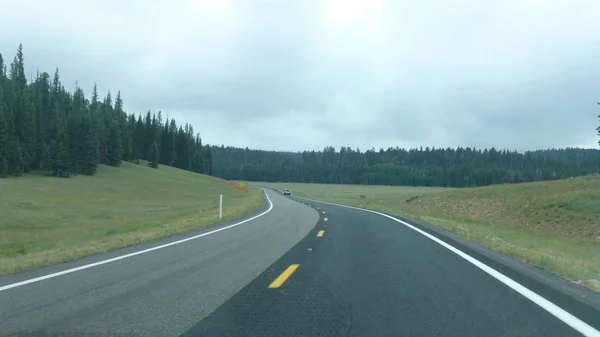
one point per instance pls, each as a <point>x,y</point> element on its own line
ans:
<point>302,268</point>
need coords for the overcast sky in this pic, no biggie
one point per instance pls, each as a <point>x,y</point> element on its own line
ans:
<point>295,75</point>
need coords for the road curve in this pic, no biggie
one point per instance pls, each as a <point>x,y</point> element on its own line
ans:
<point>159,293</point>
<point>363,274</point>
<point>299,270</point>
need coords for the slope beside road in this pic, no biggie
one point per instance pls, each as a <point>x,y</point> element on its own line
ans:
<point>303,269</point>
<point>47,220</point>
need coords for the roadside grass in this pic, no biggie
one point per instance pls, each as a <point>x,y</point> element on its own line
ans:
<point>553,225</point>
<point>46,220</point>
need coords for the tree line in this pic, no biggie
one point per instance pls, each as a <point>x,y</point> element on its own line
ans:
<point>45,127</point>
<point>446,167</point>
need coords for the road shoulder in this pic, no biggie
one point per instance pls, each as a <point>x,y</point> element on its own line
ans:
<point>95,258</point>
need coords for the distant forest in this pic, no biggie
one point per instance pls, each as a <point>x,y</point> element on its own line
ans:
<point>442,167</point>
<point>45,127</point>
<point>460,167</point>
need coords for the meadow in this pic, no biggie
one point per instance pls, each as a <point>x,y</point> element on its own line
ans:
<point>46,220</point>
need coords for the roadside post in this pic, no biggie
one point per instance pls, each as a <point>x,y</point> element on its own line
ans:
<point>220,206</point>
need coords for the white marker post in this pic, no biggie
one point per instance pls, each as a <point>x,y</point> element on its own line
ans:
<point>220,206</point>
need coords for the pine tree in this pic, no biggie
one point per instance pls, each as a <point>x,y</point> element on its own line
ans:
<point>105,129</point>
<point>208,161</point>
<point>131,135</point>
<point>148,136</point>
<point>11,148</point>
<point>138,138</point>
<point>97,121</point>
<point>173,143</point>
<point>42,108</point>
<point>165,143</point>
<point>88,144</point>
<point>94,95</point>
<point>3,133</point>
<point>58,149</point>
<point>154,132</point>
<point>114,153</point>
<point>83,136</point>
<point>198,160</point>
<point>59,154</point>
<point>122,121</point>
<point>78,105</point>
<point>154,155</point>
<point>21,107</point>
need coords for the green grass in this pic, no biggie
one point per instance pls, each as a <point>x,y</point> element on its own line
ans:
<point>554,225</point>
<point>48,220</point>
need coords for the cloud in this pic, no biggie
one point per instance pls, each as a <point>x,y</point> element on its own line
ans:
<point>293,75</point>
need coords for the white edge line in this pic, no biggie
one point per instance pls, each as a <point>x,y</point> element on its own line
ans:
<point>550,307</point>
<point>121,257</point>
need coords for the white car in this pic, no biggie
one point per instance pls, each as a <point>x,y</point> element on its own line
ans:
<point>287,192</point>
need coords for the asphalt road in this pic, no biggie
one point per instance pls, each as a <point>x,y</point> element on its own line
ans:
<point>160,293</point>
<point>321,270</point>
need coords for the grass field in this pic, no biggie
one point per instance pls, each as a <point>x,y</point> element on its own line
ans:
<point>47,220</point>
<point>554,225</point>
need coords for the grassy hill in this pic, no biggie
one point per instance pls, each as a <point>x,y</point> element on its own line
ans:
<point>47,220</point>
<point>554,225</point>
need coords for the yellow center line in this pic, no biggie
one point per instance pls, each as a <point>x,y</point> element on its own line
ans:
<point>325,219</point>
<point>321,233</point>
<point>323,212</point>
<point>284,276</point>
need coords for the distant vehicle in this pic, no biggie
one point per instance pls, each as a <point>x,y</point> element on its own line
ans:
<point>287,192</point>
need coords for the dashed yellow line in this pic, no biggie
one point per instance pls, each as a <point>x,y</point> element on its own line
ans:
<point>321,233</point>
<point>323,212</point>
<point>284,276</point>
<point>325,219</point>
<point>309,249</point>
